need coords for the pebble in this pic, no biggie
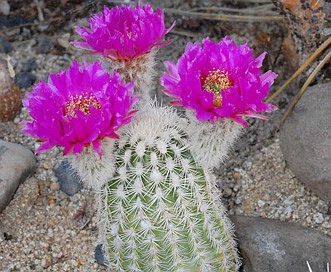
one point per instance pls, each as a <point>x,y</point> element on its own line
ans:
<point>5,46</point>
<point>25,79</point>
<point>44,45</point>
<point>239,200</point>
<point>11,21</point>
<point>236,188</point>
<point>289,201</point>
<point>29,65</point>
<point>260,203</point>
<point>318,218</point>
<point>100,255</point>
<point>227,192</point>
<point>47,165</point>
<point>55,186</point>
<point>266,197</point>
<point>69,181</point>
<point>4,7</point>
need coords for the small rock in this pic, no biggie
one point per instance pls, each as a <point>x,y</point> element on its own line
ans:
<point>239,200</point>
<point>55,186</point>
<point>11,21</point>
<point>272,245</point>
<point>100,255</point>
<point>30,65</point>
<point>16,164</point>
<point>288,209</point>
<point>289,201</point>
<point>236,188</point>
<point>4,7</point>
<point>231,185</point>
<point>68,179</point>
<point>260,203</point>
<point>266,197</point>
<point>227,192</point>
<point>5,46</point>
<point>45,45</point>
<point>318,218</point>
<point>47,165</point>
<point>306,139</point>
<point>25,79</point>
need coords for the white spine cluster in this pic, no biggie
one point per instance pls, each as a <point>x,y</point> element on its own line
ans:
<point>93,170</point>
<point>140,70</point>
<point>228,229</point>
<point>210,143</point>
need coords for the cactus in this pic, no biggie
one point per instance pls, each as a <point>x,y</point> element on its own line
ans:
<point>158,205</point>
<point>10,96</point>
<point>163,214</point>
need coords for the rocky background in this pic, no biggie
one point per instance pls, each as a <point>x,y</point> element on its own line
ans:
<point>276,185</point>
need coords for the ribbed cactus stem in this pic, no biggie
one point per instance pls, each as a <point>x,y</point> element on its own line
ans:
<point>141,70</point>
<point>162,212</point>
<point>210,143</point>
<point>93,170</point>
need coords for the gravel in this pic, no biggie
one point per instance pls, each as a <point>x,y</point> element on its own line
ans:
<point>269,189</point>
<point>43,229</point>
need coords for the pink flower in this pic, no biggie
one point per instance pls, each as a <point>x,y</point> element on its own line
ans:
<point>78,107</point>
<point>219,80</point>
<point>124,33</point>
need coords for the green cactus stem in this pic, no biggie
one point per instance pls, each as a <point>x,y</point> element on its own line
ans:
<point>162,211</point>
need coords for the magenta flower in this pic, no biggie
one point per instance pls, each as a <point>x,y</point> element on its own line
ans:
<point>219,80</point>
<point>78,108</point>
<point>124,33</point>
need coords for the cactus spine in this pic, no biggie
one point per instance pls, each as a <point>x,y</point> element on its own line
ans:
<point>210,143</point>
<point>95,171</point>
<point>161,210</point>
<point>141,70</point>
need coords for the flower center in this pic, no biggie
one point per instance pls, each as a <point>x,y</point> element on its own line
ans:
<point>215,82</point>
<point>81,102</point>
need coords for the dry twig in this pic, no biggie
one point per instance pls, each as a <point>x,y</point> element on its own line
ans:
<point>225,17</point>
<point>307,82</point>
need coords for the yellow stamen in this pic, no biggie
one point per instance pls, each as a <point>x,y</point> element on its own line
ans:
<point>129,34</point>
<point>217,101</point>
<point>81,102</point>
<point>215,82</point>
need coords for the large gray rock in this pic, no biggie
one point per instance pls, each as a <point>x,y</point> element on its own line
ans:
<point>16,164</point>
<point>306,140</point>
<point>276,246</point>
